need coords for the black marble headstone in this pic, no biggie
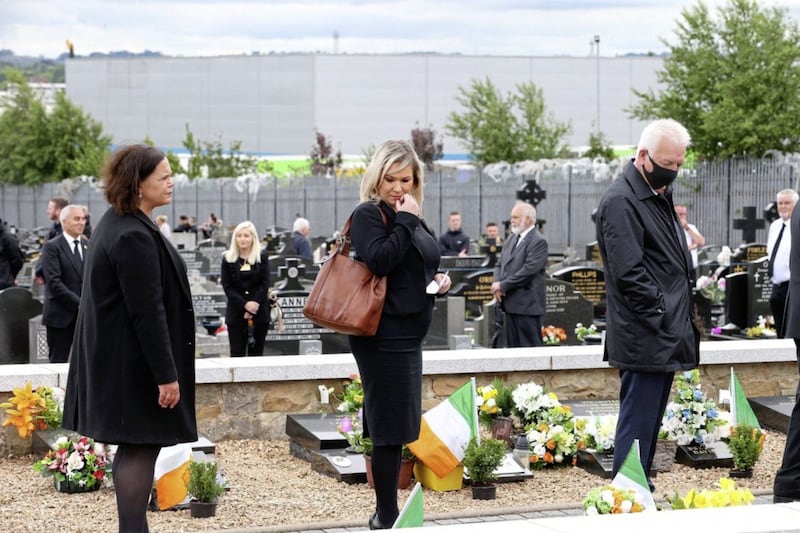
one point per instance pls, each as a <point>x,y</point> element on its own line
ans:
<point>593,253</point>
<point>564,307</point>
<point>713,455</point>
<point>196,261</point>
<point>17,307</point>
<point>475,287</point>
<point>590,408</point>
<point>598,463</point>
<point>752,251</point>
<point>590,282</point>
<point>736,298</point>
<point>773,411</point>
<point>211,251</point>
<point>759,289</point>
<point>314,438</point>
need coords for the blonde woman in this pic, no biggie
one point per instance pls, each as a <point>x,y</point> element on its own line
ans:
<point>245,279</point>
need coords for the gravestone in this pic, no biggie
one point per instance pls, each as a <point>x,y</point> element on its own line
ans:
<point>476,289</point>
<point>598,463</point>
<point>746,253</point>
<point>748,224</point>
<point>773,411</point>
<point>196,262</point>
<point>565,307</point>
<point>593,253</point>
<point>759,289</point>
<point>708,254</point>
<point>314,438</point>
<point>448,320</point>
<point>37,340</point>
<point>736,299</point>
<point>25,276</point>
<point>209,301</point>
<point>183,240</point>
<point>591,408</point>
<point>590,282</point>
<point>714,455</point>
<point>211,251</point>
<point>292,295</point>
<point>17,307</point>
<point>309,271</point>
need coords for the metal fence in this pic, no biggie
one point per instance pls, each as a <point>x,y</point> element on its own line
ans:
<point>714,192</point>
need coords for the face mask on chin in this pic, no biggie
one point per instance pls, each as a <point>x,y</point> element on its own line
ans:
<point>659,177</point>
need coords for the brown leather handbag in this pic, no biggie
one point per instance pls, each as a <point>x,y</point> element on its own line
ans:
<point>346,296</point>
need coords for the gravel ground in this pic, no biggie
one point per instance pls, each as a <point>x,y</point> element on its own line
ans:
<point>270,489</point>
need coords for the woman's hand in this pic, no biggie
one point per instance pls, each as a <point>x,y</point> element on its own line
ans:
<point>252,307</point>
<point>444,282</point>
<point>408,204</point>
<point>169,395</point>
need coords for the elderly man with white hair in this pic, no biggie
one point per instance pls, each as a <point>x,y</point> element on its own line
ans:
<point>300,232</point>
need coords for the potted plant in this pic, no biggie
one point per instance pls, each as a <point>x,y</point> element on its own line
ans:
<point>745,444</point>
<point>495,403</point>
<point>204,487</point>
<point>77,464</point>
<point>352,397</point>
<point>481,460</point>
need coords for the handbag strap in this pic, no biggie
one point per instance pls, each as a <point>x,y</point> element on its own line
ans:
<point>343,242</point>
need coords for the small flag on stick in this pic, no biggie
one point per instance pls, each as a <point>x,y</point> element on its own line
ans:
<point>631,476</point>
<point>412,513</point>
<point>741,412</point>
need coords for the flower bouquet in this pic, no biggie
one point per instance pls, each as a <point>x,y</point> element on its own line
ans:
<point>29,410</point>
<point>352,397</point>
<point>78,464</point>
<point>581,331</point>
<point>596,433</point>
<point>725,495</point>
<point>553,336</point>
<point>691,418</point>
<point>612,500</point>
<point>712,288</point>
<point>351,427</point>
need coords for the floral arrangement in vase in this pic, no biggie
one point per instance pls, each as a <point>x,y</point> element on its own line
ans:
<point>78,464</point>
<point>352,397</point>
<point>691,417</point>
<point>612,500</point>
<point>352,429</point>
<point>29,410</point>
<point>548,425</point>
<point>581,331</point>
<point>494,401</point>
<point>712,288</point>
<point>726,494</point>
<point>596,433</point>
<point>553,336</point>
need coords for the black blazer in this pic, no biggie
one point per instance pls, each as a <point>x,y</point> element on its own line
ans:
<point>63,274</point>
<point>135,330</point>
<point>404,250</point>
<point>242,287</point>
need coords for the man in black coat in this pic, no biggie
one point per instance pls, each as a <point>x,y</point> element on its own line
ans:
<point>454,241</point>
<point>62,264</point>
<point>650,330</point>
<point>11,258</point>
<point>786,486</point>
<point>518,282</point>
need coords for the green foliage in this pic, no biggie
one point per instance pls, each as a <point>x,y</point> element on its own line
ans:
<point>37,146</point>
<point>733,80</point>
<point>511,128</point>
<point>322,158</point>
<point>482,459</point>
<point>203,484</point>
<point>172,158</point>
<point>599,147</point>
<point>44,71</point>
<point>211,157</point>
<point>428,150</point>
<point>745,444</point>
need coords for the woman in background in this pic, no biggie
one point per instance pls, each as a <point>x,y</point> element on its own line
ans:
<point>405,251</point>
<point>131,374</point>
<point>245,279</point>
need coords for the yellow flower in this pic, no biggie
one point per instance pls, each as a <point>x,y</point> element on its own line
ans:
<point>22,409</point>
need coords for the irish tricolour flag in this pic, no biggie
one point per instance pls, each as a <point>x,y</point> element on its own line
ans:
<point>446,430</point>
<point>631,476</point>
<point>741,412</point>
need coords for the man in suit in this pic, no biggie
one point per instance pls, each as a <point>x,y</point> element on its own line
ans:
<point>786,486</point>
<point>650,332</point>
<point>779,242</point>
<point>518,282</point>
<point>62,264</point>
<point>300,232</point>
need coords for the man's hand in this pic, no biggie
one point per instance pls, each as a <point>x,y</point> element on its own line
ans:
<point>169,395</point>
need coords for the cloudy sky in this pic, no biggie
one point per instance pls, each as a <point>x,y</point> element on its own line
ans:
<point>205,28</point>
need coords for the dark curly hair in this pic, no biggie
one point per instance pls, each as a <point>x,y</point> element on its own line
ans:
<point>124,171</point>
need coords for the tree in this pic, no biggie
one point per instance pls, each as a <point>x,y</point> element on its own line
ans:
<point>322,159</point>
<point>599,147</point>
<point>732,80</point>
<point>37,146</point>
<point>508,128</point>
<point>213,158</point>
<point>428,150</point>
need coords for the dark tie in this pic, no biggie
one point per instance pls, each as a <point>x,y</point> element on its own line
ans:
<point>772,256</point>
<point>75,251</point>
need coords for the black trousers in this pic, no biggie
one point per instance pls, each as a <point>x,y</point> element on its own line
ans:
<point>59,342</point>
<point>777,304</point>
<point>237,339</point>
<point>787,479</point>
<point>643,398</point>
<point>523,331</point>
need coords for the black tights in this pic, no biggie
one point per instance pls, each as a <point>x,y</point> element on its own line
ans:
<point>133,470</point>
<point>385,471</point>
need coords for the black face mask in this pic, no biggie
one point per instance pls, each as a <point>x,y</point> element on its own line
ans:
<point>660,176</point>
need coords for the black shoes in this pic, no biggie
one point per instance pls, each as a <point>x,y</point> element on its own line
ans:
<point>375,523</point>
<point>783,499</point>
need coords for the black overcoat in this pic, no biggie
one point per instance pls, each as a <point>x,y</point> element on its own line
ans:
<point>63,277</point>
<point>241,287</point>
<point>648,274</point>
<point>135,330</point>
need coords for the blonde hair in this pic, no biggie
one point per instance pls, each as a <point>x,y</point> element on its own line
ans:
<point>389,153</point>
<point>232,254</point>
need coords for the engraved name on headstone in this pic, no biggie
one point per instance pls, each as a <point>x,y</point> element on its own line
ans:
<point>565,307</point>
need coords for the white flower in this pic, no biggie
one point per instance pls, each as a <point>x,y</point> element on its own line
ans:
<point>61,441</point>
<point>592,511</point>
<point>74,462</point>
<point>491,402</point>
<point>625,506</point>
<point>608,497</point>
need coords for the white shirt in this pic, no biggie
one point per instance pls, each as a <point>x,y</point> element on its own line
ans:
<point>71,243</point>
<point>689,241</point>
<point>522,235</point>
<point>166,231</point>
<point>780,270</point>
